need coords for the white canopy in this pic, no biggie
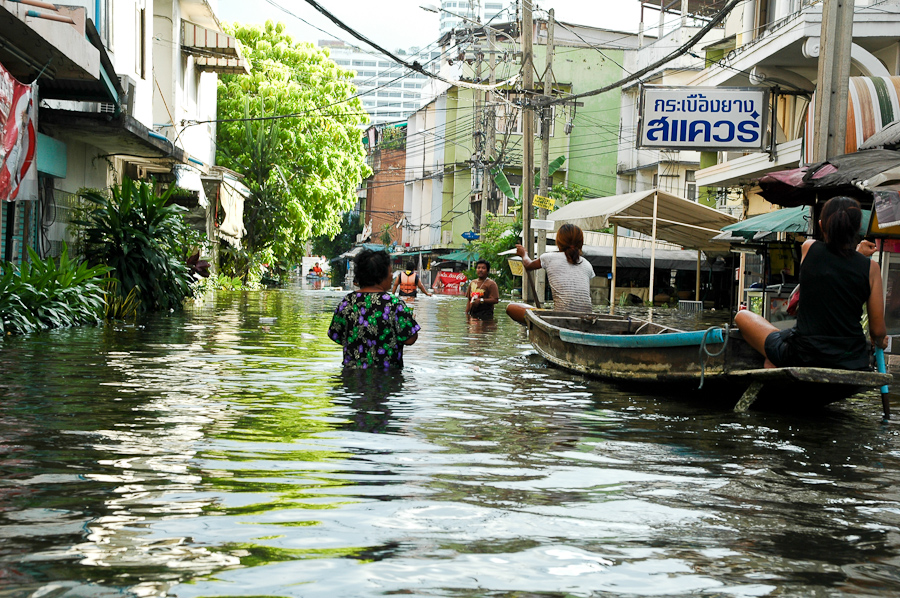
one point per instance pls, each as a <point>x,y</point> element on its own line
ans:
<point>653,212</point>
<point>680,221</point>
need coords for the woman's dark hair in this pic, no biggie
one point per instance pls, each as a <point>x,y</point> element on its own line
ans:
<point>841,217</point>
<point>570,240</point>
<point>410,265</point>
<point>371,267</point>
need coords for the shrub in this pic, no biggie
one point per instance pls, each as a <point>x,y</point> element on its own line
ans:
<point>136,233</point>
<point>45,294</point>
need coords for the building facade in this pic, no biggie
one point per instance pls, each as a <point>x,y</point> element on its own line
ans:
<point>120,85</point>
<point>389,91</point>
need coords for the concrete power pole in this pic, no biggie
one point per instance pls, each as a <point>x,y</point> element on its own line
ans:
<point>487,186</point>
<point>546,124</point>
<point>832,87</point>
<point>527,136</point>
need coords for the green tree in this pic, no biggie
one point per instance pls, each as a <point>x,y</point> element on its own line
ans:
<point>334,245</point>
<point>304,168</point>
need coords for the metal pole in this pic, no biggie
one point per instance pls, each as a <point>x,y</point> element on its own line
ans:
<point>612,285</point>
<point>697,290</point>
<point>527,129</point>
<point>653,246</point>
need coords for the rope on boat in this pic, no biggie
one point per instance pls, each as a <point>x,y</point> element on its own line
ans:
<point>705,354</point>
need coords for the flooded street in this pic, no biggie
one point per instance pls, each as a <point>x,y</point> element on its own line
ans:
<point>222,452</point>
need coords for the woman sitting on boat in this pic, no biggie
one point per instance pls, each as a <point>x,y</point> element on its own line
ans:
<point>568,273</point>
<point>835,281</point>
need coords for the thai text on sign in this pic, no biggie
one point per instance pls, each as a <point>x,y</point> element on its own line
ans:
<point>710,118</point>
<point>546,203</point>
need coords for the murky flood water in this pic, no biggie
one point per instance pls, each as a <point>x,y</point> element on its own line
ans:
<point>221,452</point>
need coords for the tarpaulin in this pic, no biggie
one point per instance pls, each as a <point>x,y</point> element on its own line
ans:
<point>18,135</point>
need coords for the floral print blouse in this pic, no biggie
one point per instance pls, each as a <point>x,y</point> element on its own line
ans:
<point>372,328</point>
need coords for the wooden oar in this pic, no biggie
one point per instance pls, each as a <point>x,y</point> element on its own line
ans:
<point>534,294</point>
<point>882,368</point>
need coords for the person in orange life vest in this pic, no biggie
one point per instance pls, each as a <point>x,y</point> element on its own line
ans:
<point>408,282</point>
<point>317,270</point>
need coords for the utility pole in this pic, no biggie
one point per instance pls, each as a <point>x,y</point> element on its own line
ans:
<point>479,138</point>
<point>487,181</point>
<point>546,123</point>
<point>527,135</point>
<point>833,84</point>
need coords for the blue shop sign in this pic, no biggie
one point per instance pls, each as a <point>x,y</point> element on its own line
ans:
<point>704,118</point>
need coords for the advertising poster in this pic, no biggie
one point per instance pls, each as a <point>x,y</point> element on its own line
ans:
<point>18,135</point>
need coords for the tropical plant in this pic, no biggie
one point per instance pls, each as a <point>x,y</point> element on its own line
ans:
<point>291,127</point>
<point>218,282</point>
<point>136,233</point>
<point>385,235</point>
<point>117,306</point>
<point>335,245</point>
<point>45,294</point>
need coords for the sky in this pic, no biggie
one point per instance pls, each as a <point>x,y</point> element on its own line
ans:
<point>401,24</point>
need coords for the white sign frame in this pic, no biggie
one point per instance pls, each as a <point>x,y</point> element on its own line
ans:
<point>704,118</point>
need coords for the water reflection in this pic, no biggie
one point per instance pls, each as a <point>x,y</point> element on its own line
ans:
<point>224,452</point>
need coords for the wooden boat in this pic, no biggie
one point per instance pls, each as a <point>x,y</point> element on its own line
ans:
<point>717,362</point>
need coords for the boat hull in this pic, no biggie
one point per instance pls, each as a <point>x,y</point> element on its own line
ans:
<point>629,351</point>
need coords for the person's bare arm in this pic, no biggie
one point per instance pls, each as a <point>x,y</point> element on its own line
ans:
<point>395,285</point>
<point>411,340</point>
<point>422,286</point>
<point>527,262</point>
<point>875,308</point>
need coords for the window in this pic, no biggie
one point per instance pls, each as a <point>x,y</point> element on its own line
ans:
<point>140,52</point>
<point>363,63</point>
<point>690,191</point>
<point>655,180</point>
<point>690,187</point>
<point>412,85</point>
<point>386,64</point>
<point>507,204</point>
<point>509,118</point>
<point>412,95</point>
<point>342,62</point>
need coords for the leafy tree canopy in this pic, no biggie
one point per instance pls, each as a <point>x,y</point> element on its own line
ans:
<point>304,169</point>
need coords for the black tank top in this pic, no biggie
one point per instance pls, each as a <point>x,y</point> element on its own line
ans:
<point>833,290</point>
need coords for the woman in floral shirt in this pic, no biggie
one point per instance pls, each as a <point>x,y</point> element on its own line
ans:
<point>372,324</point>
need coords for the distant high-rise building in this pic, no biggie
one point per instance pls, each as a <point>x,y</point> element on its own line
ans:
<point>496,11</point>
<point>389,91</point>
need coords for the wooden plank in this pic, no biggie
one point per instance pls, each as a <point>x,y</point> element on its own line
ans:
<point>817,375</point>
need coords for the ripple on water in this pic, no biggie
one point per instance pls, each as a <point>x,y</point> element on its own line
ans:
<point>223,452</point>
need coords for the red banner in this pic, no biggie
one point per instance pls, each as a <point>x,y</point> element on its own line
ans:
<point>18,136</point>
<point>452,279</point>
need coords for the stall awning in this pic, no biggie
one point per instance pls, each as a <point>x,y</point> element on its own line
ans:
<point>873,103</point>
<point>785,220</point>
<point>460,256</point>
<point>679,221</point>
<point>213,51</point>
